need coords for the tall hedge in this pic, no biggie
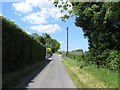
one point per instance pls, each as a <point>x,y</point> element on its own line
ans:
<point>19,49</point>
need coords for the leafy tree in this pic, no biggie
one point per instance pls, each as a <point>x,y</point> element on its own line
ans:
<point>46,38</point>
<point>100,22</point>
<point>35,35</point>
<point>54,45</point>
<point>39,38</point>
<point>45,35</point>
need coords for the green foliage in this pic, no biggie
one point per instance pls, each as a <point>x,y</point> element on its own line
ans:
<point>72,56</point>
<point>39,38</point>
<point>108,77</point>
<point>51,43</point>
<point>78,50</point>
<point>55,45</point>
<point>113,60</point>
<point>45,38</point>
<point>101,26</point>
<point>109,59</point>
<point>19,49</point>
<point>59,52</point>
<point>68,63</point>
<point>80,57</point>
<point>35,35</point>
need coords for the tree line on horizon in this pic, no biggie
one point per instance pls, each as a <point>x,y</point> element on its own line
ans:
<point>45,38</point>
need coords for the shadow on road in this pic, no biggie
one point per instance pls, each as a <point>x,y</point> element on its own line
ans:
<point>24,83</point>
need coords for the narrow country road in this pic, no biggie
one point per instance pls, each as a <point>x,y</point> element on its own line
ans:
<point>52,76</point>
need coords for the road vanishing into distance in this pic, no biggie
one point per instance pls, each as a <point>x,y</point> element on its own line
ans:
<point>52,76</point>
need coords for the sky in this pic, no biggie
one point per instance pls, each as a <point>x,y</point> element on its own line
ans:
<point>41,16</point>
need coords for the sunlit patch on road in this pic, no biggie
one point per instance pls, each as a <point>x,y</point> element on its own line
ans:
<point>51,58</point>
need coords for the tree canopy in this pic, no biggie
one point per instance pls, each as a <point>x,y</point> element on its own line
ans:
<point>46,38</point>
<point>100,22</point>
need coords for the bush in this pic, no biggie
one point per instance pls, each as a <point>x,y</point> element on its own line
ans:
<point>19,49</point>
<point>83,64</point>
<point>100,59</point>
<point>113,60</point>
<point>59,52</point>
<point>72,56</point>
<point>108,59</point>
<point>80,57</point>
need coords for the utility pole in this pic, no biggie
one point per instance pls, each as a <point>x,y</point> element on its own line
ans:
<point>67,41</point>
<point>46,52</point>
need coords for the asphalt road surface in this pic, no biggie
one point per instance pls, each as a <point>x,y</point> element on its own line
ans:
<point>52,76</point>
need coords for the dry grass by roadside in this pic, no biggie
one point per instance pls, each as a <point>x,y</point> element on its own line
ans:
<point>74,76</point>
<point>85,79</point>
<point>88,79</point>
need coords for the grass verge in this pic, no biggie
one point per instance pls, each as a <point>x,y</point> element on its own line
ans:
<point>89,76</point>
<point>12,79</point>
<point>73,76</point>
<point>105,75</point>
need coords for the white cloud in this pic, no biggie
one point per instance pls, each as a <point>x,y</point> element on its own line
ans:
<point>0,14</point>
<point>12,20</point>
<point>35,18</point>
<point>46,10</point>
<point>55,13</point>
<point>40,3</point>
<point>61,42</point>
<point>27,5</point>
<point>27,32</point>
<point>22,7</point>
<point>50,28</point>
<point>42,16</point>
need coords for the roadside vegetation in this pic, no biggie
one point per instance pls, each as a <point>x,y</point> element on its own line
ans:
<point>86,75</point>
<point>53,44</point>
<point>22,53</point>
<point>19,49</point>
<point>100,22</point>
<point>59,52</point>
